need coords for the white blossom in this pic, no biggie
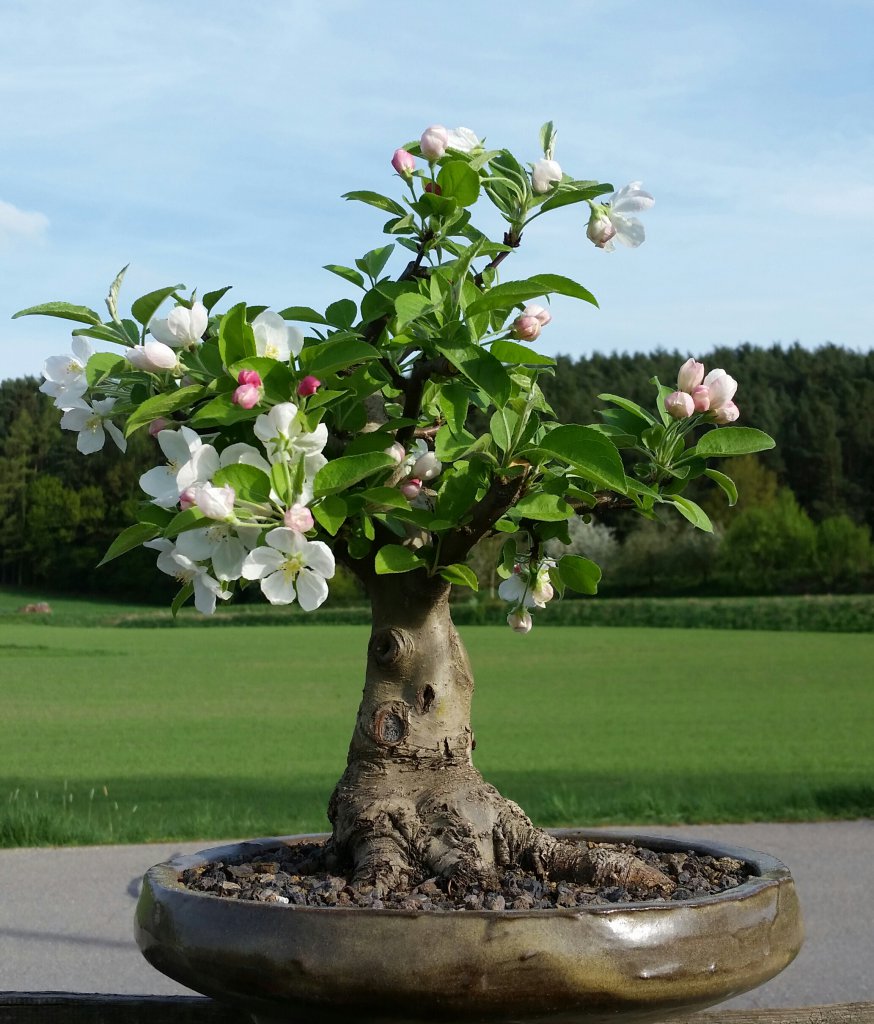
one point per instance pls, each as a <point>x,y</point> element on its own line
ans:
<point>186,570</point>
<point>224,544</point>
<point>528,586</point>
<point>93,424</point>
<point>284,439</point>
<point>463,140</point>
<point>65,376</point>
<point>627,229</point>
<point>274,338</point>
<point>290,567</point>
<point>183,328</point>
<point>545,174</point>
<point>160,483</point>
<point>153,356</point>
<point>215,502</point>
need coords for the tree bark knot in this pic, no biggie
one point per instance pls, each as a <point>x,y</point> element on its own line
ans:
<point>388,646</point>
<point>390,724</point>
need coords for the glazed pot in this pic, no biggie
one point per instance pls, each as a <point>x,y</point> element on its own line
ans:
<point>617,962</point>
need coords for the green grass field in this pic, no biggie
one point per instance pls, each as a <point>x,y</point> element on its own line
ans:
<point>110,735</point>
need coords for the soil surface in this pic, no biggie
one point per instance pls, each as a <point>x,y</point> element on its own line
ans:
<point>297,875</point>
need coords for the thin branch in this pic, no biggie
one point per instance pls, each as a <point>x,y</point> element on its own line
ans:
<point>501,495</point>
<point>511,239</point>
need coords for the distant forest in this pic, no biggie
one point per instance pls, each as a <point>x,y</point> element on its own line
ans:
<point>803,522</point>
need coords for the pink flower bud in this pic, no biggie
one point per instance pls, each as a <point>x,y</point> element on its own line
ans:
<point>156,426</point>
<point>397,452</point>
<point>433,142</point>
<point>250,377</point>
<point>404,163</point>
<point>701,397</point>
<point>690,376</point>
<point>679,405</point>
<point>600,229</point>
<point>520,621</point>
<point>246,396</point>
<point>526,328</point>
<point>298,518</point>
<point>727,414</point>
<point>186,498</point>
<point>722,389</point>
<point>308,386</point>
<point>433,188</point>
<point>542,593</point>
<point>410,488</point>
<point>215,502</point>
<point>543,316</point>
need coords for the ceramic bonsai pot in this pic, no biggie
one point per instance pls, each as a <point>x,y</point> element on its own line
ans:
<point>622,962</point>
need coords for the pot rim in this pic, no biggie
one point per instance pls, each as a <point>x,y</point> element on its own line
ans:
<point>768,872</point>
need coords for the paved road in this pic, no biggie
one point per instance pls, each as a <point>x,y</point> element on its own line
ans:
<point>65,915</point>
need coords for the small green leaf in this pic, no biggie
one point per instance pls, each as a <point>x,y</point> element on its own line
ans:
<point>590,452</point>
<point>212,299</point>
<point>389,497</point>
<point>303,314</point>
<point>459,181</point>
<point>112,297</point>
<point>479,366</point>
<point>249,482</point>
<point>330,513</point>
<point>182,522</point>
<point>64,310</point>
<point>725,482</point>
<point>373,262</point>
<point>630,407</point>
<point>580,574</point>
<point>347,273</point>
<point>332,356</point>
<point>511,352</point>
<point>221,412</point>
<point>341,473</point>
<point>460,574</point>
<point>409,306</point>
<point>146,306</point>
<point>566,196</point>
<point>101,365</point>
<point>726,441</point>
<point>162,405</point>
<point>500,429</point>
<point>341,313</point>
<point>550,508</point>
<point>395,558</point>
<point>236,338</point>
<point>694,513</point>
<point>130,538</point>
<point>181,597</point>
<point>453,399</point>
<point>379,201</point>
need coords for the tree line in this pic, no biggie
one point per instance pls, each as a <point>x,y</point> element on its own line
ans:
<point>803,520</point>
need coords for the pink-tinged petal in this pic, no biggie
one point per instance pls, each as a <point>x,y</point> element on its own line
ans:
<point>278,588</point>
<point>311,590</point>
<point>320,558</point>
<point>260,562</point>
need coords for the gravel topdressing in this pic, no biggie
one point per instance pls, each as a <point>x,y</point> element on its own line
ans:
<point>295,875</point>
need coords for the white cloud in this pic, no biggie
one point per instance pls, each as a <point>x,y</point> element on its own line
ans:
<point>17,224</point>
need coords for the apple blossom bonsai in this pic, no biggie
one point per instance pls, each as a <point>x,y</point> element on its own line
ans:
<point>393,436</point>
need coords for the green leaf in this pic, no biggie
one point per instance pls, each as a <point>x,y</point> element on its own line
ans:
<point>547,139</point>
<point>694,513</point>
<point>448,446</point>
<point>146,306</point>
<point>100,365</point>
<point>221,412</point>
<point>341,473</point>
<point>181,597</point>
<point>566,196</point>
<point>461,574</point>
<point>379,201</point>
<point>512,293</point>
<point>409,306</point>
<point>592,454</point>
<point>662,393</point>
<point>236,338</point>
<point>182,522</point>
<point>330,513</point>
<point>550,508</point>
<point>130,538</point>
<point>336,355</point>
<point>64,310</point>
<point>249,482</point>
<point>347,273</point>
<point>453,400</point>
<point>112,297</point>
<point>115,335</point>
<point>459,181</point>
<point>511,352</point>
<point>303,314</point>
<point>555,283</point>
<point>631,407</point>
<point>373,262</point>
<point>162,405</point>
<point>389,497</point>
<point>725,482</point>
<point>479,366</point>
<point>395,558</point>
<point>341,313</point>
<point>726,441</point>
<point>212,299</point>
<point>500,429</point>
<point>580,574</point>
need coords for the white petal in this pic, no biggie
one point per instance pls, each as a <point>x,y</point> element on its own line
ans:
<point>512,589</point>
<point>629,230</point>
<point>204,594</point>
<point>260,562</point>
<point>228,558</point>
<point>295,339</point>
<point>245,454</point>
<point>283,539</point>
<point>160,484</point>
<point>82,349</point>
<point>199,320</point>
<point>116,435</point>
<point>281,418</point>
<point>75,419</point>
<point>195,544</point>
<point>271,336</point>
<point>319,557</point>
<point>631,199</point>
<point>202,466</point>
<point>312,443</point>
<point>311,590</point>
<point>161,332</point>
<point>175,446</point>
<point>91,440</point>
<point>278,588</point>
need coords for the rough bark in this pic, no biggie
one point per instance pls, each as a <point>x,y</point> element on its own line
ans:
<point>410,804</point>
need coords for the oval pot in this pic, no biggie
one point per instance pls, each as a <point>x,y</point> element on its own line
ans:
<point>620,962</point>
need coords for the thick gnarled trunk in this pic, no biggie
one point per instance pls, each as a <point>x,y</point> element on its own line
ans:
<point>410,804</point>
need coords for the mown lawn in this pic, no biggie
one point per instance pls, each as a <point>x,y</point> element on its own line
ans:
<point>111,735</point>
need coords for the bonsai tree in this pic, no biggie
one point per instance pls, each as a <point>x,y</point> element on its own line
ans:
<point>392,434</point>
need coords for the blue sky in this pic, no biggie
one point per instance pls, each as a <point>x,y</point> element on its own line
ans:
<point>209,142</point>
